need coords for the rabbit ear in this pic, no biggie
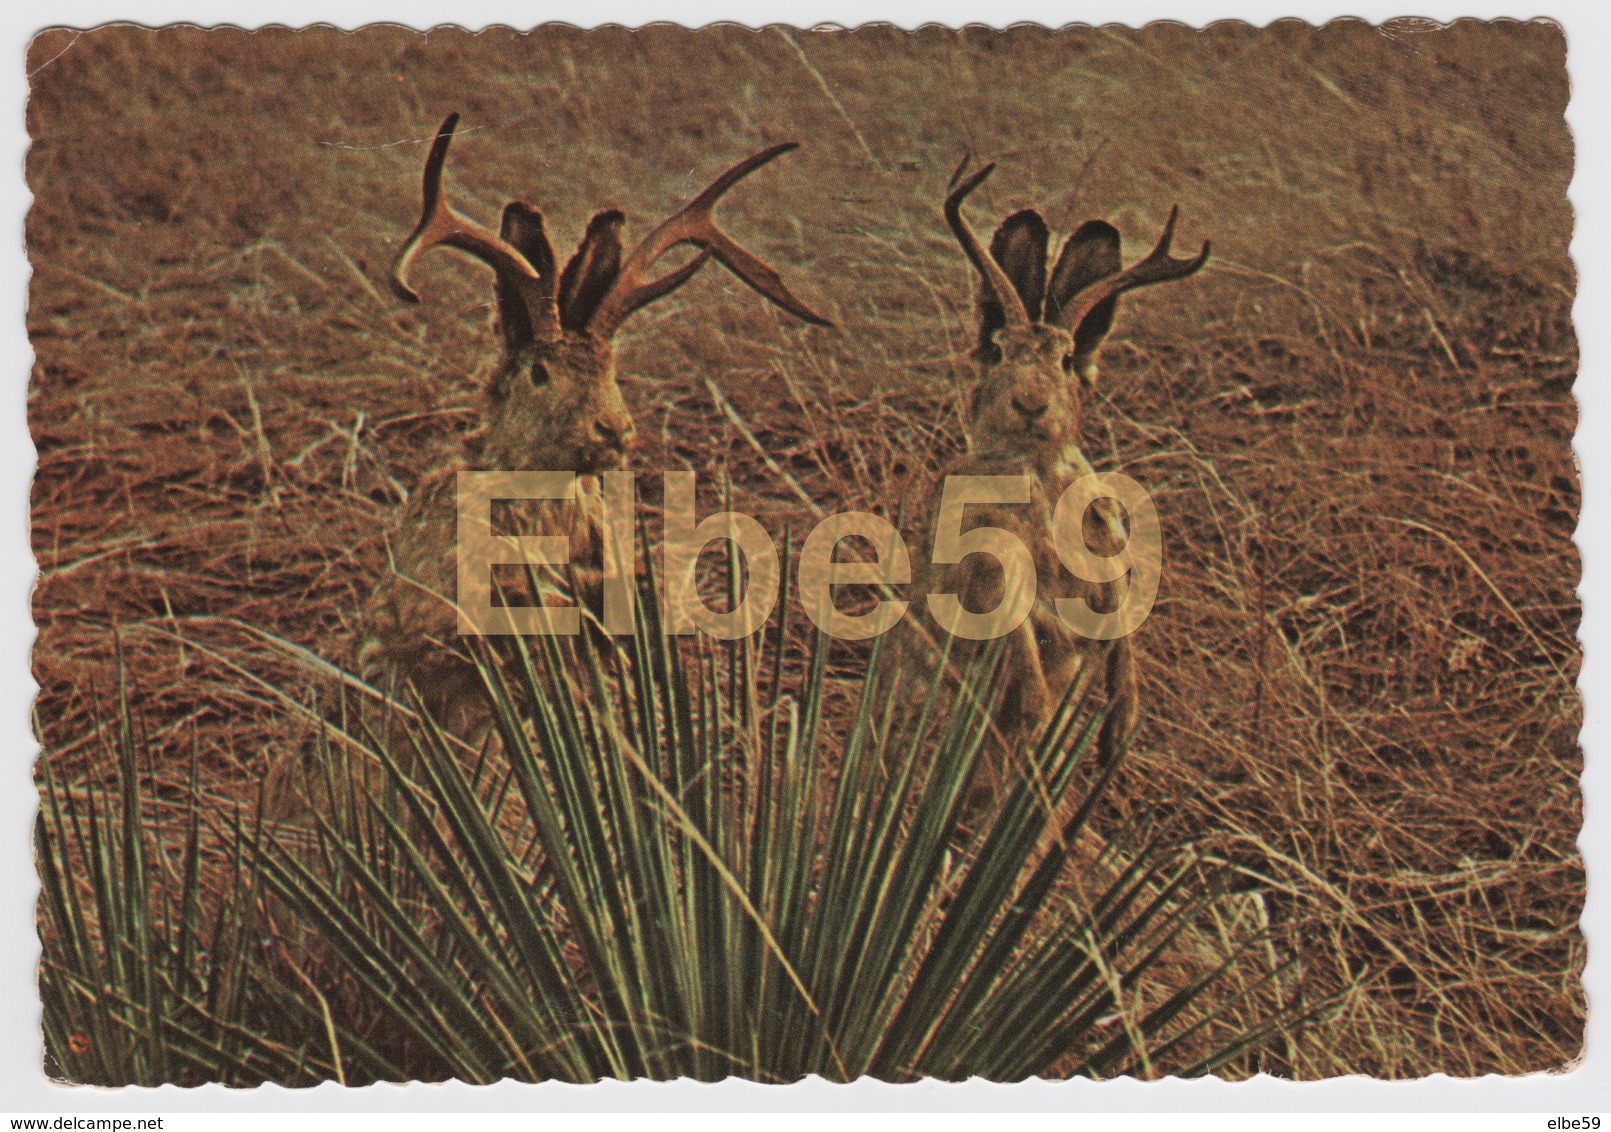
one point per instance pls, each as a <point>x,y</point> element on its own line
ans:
<point>523,229</point>
<point>1091,254</point>
<point>592,270</point>
<point>1019,246</point>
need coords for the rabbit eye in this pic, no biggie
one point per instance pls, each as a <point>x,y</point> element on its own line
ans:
<point>1068,364</point>
<point>539,374</point>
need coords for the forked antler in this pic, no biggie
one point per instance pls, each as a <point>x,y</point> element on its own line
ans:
<point>1158,267</point>
<point>995,279</point>
<point>632,289</point>
<point>694,224</point>
<point>440,224</point>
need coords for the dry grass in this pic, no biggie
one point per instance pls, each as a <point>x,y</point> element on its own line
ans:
<point>1356,422</point>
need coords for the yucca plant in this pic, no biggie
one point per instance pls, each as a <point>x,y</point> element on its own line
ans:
<point>691,859</point>
<point>147,976</point>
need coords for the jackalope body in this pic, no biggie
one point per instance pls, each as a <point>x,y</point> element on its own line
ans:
<point>1039,335</point>
<point>553,404</point>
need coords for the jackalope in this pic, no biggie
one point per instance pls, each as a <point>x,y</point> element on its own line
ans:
<point>1039,335</point>
<point>553,404</point>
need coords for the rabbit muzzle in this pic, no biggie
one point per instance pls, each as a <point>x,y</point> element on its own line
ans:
<point>615,437</point>
<point>1026,416</point>
<point>601,438</point>
<point>1031,407</point>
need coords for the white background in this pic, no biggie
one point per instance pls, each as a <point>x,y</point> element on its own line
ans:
<point>23,1089</point>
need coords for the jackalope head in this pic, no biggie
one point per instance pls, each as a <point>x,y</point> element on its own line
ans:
<point>1039,334</point>
<point>554,403</point>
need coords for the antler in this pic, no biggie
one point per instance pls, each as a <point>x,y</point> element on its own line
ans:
<point>440,224</point>
<point>695,225</point>
<point>995,279</point>
<point>1158,267</point>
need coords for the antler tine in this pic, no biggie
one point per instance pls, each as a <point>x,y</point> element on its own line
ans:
<point>1158,267</point>
<point>694,224</point>
<point>995,279</point>
<point>962,167</point>
<point>440,224</point>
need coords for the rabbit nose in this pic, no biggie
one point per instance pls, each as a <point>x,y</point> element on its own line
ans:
<point>612,433</point>
<point>1031,406</point>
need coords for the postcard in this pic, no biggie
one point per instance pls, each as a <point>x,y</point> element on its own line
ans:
<point>575,554</point>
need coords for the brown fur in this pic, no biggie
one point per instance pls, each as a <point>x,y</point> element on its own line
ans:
<point>1035,378</point>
